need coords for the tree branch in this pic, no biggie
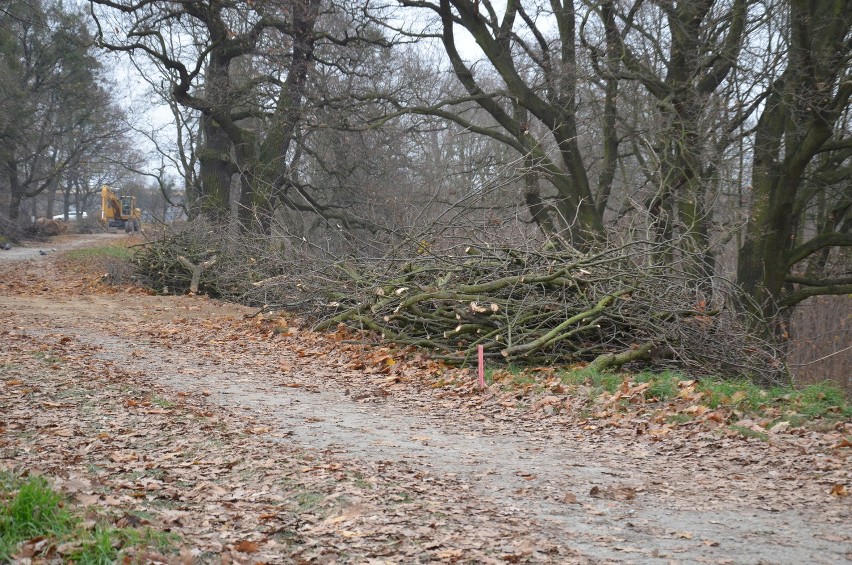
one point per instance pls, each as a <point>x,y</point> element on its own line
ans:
<point>819,242</point>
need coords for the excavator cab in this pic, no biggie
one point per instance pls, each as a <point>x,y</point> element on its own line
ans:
<point>120,212</point>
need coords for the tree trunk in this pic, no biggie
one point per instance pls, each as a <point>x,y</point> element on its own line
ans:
<point>216,164</point>
<point>797,120</point>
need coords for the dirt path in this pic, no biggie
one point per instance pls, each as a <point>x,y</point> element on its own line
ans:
<point>501,485</point>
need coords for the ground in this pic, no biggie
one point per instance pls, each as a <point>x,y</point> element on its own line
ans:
<point>257,441</point>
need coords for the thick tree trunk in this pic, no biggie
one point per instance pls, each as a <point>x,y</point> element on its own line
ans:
<point>216,162</point>
<point>216,170</point>
<point>797,120</point>
<point>16,192</point>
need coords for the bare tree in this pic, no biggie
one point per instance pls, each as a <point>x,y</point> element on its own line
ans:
<point>682,53</point>
<point>802,150</point>
<point>533,105</point>
<point>52,109</point>
<point>247,69</point>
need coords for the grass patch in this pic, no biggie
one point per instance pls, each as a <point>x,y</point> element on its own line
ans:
<point>820,404</point>
<point>30,508</point>
<point>113,261</point>
<point>402,498</point>
<point>608,382</point>
<point>678,419</point>
<point>749,433</point>
<point>307,501</point>
<point>46,356</point>
<point>85,254</point>
<point>663,386</point>
<point>512,374</point>
<point>162,402</point>
<point>34,510</point>
<point>822,400</point>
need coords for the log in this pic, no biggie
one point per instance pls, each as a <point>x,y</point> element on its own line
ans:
<point>196,271</point>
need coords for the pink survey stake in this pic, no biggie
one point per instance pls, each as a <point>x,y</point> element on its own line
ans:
<point>481,351</point>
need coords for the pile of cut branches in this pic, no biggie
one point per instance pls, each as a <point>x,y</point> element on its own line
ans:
<point>636,303</point>
<point>621,305</point>
<point>162,261</point>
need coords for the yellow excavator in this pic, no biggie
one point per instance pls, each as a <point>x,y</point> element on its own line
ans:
<point>120,212</point>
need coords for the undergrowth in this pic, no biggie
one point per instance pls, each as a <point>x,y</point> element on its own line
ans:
<point>30,509</point>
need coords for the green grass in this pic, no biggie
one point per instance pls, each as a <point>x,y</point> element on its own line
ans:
<point>679,418</point>
<point>796,405</point>
<point>162,402</point>
<point>35,510</point>
<point>749,433</point>
<point>823,402</point>
<point>308,501</point>
<point>404,498</point>
<point>108,252</point>
<point>608,382</point>
<point>46,356</point>
<point>364,485</point>
<point>663,386</point>
<point>508,373</point>
<point>30,508</point>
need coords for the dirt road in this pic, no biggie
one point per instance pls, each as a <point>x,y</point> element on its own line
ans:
<point>228,431</point>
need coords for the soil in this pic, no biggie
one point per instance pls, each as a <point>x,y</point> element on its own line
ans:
<point>205,420</point>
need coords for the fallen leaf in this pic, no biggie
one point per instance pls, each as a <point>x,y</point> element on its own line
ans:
<point>696,409</point>
<point>88,499</point>
<point>53,405</point>
<point>246,546</point>
<point>614,493</point>
<point>546,401</point>
<point>69,547</point>
<point>780,427</point>
<point>738,396</point>
<point>839,490</point>
<point>31,548</point>
<point>842,443</point>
